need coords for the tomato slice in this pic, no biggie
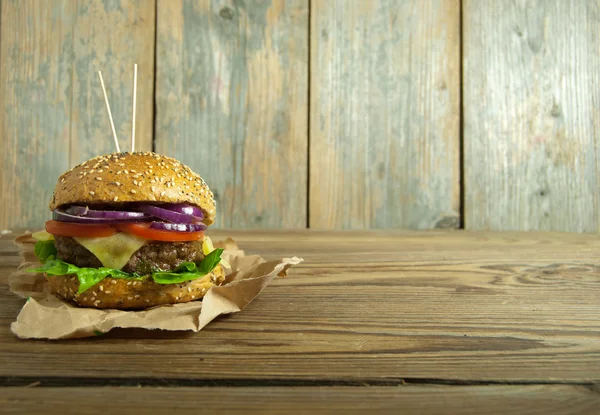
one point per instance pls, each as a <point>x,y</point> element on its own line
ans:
<point>58,228</point>
<point>143,230</point>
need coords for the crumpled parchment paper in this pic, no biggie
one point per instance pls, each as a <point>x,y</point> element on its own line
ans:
<point>45,316</point>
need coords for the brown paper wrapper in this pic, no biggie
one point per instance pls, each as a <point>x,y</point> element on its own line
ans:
<point>45,316</point>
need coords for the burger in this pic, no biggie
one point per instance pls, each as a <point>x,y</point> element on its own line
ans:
<point>127,233</point>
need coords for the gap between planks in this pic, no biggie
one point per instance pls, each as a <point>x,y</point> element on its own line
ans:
<point>25,381</point>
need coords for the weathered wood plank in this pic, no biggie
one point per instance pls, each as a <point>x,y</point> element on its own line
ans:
<point>532,105</point>
<point>111,36</point>
<point>35,109</point>
<point>232,103</point>
<point>384,124</point>
<point>52,113</point>
<point>422,399</point>
<point>369,306</point>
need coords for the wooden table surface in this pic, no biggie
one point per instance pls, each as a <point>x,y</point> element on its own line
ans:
<point>434,321</point>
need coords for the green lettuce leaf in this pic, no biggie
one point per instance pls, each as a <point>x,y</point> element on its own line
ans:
<point>88,277</point>
<point>188,271</point>
<point>44,250</point>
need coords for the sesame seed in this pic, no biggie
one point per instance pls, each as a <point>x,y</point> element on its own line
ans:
<point>135,182</point>
<point>137,296</point>
<point>84,298</point>
<point>91,171</point>
<point>101,288</point>
<point>115,198</point>
<point>113,281</point>
<point>129,283</point>
<point>99,178</point>
<point>130,298</point>
<point>147,163</point>
<point>119,172</point>
<point>118,184</point>
<point>193,296</point>
<point>92,193</point>
<point>133,191</point>
<point>140,183</point>
<point>107,292</point>
<point>189,290</point>
<point>133,171</point>
<point>94,293</point>
<point>100,171</point>
<point>125,171</point>
<point>146,300</point>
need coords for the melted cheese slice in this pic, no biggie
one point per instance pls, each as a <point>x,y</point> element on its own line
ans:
<point>113,251</point>
<point>208,247</point>
<point>42,236</point>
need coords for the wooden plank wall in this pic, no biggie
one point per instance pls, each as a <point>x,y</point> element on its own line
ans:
<point>384,128</point>
<point>531,114</point>
<point>232,91</point>
<point>52,113</point>
<point>328,114</point>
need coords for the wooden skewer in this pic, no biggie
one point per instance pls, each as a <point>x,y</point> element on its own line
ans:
<point>133,110</point>
<point>112,125</point>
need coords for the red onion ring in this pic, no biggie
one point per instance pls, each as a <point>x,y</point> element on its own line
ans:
<point>185,209</point>
<point>167,214</point>
<point>178,227</point>
<point>117,215</point>
<point>62,216</point>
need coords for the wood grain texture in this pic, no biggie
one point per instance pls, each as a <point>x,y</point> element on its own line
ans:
<point>35,106</point>
<point>438,400</point>
<point>532,104</point>
<point>367,306</point>
<point>231,99</point>
<point>384,124</point>
<point>111,36</point>
<point>52,113</point>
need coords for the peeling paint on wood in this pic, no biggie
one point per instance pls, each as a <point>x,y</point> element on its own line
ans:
<point>532,102</point>
<point>52,113</point>
<point>384,146</point>
<point>232,104</point>
<point>112,35</point>
<point>35,94</point>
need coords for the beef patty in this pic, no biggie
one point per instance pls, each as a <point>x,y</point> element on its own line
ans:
<point>154,256</point>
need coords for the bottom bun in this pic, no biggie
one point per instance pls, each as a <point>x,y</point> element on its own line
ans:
<point>122,294</point>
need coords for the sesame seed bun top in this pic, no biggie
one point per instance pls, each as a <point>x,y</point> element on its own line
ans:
<point>133,177</point>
